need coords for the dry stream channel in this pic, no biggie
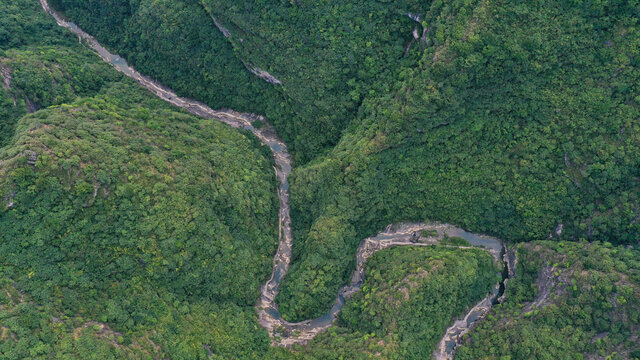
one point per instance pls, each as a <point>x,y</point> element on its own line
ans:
<point>284,333</point>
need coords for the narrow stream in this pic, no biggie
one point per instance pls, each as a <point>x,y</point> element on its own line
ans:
<point>284,333</point>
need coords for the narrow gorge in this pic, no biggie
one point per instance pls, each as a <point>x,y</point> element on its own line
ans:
<point>284,333</point>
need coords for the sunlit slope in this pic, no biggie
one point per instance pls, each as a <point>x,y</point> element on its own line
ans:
<point>521,121</point>
<point>124,188</point>
<point>410,296</point>
<point>127,225</point>
<point>567,301</point>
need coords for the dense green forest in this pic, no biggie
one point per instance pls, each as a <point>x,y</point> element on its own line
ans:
<point>175,42</point>
<point>36,68</point>
<point>567,301</point>
<point>129,229</point>
<point>128,226</point>
<point>408,300</point>
<point>326,63</point>
<point>512,118</point>
<point>521,117</point>
<point>327,54</point>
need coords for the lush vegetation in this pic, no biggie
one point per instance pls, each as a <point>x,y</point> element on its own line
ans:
<point>121,191</point>
<point>327,55</point>
<point>133,211</point>
<point>177,43</point>
<point>130,229</point>
<point>40,76</point>
<point>183,330</point>
<point>36,68</point>
<point>409,298</point>
<point>567,301</point>
<point>521,117</point>
<point>31,332</point>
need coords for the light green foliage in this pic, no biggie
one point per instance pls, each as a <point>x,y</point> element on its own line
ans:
<point>37,77</point>
<point>139,231</point>
<point>522,116</point>
<point>37,69</point>
<point>28,331</point>
<point>592,306</point>
<point>124,192</point>
<point>409,298</point>
<point>181,331</point>
<point>127,206</point>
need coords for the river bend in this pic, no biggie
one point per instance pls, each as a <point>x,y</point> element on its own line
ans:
<point>284,333</point>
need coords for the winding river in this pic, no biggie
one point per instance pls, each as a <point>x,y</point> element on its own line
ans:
<point>284,333</point>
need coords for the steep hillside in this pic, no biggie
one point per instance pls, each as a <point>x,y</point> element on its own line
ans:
<point>410,296</point>
<point>520,122</point>
<point>322,59</point>
<point>119,191</point>
<point>128,226</point>
<point>567,301</point>
<point>35,77</point>
<point>177,43</point>
<point>130,229</point>
<point>116,209</point>
<point>329,56</point>
<point>36,67</point>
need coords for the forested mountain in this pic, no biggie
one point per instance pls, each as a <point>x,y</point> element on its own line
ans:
<point>127,225</point>
<point>326,63</point>
<point>132,229</point>
<point>407,301</point>
<point>568,300</point>
<point>521,120</point>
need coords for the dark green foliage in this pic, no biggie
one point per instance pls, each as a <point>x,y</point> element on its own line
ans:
<point>410,297</point>
<point>327,54</point>
<point>521,117</point>
<point>131,229</point>
<point>143,232</point>
<point>177,43</point>
<point>36,67</point>
<point>122,193</point>
<point>38,77</point>
<point>591,307</point>
<point>24,23</point>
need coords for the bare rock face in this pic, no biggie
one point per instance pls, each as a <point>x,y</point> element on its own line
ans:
<point>31,156</point>
<point>222,29</point>
<point>31,106</point>
<point>5,72</point>
<point>415,33</point>
<point>6,76</point>
<point>414,17</point>
<point>263,75</point>
<point>9,199</point>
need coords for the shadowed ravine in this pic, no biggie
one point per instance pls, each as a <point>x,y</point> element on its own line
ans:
<point>282,332</point>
